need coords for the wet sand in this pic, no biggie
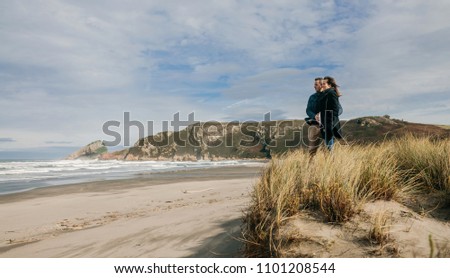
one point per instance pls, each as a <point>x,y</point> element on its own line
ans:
<point>194,213</point>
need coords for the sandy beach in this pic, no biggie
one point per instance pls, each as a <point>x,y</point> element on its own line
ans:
<point>194,213</point>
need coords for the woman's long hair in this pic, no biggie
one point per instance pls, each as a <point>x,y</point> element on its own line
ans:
<point>332,82</point>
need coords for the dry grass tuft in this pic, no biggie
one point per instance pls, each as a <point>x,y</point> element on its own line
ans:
<point>379,233</point>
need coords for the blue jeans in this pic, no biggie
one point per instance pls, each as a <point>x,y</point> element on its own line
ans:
<point>329,143</point>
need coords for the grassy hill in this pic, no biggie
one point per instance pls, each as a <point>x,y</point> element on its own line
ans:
<point>376,129</point>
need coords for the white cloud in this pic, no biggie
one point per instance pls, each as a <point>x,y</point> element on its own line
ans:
<point>399,53</point>
<point>66,67</point>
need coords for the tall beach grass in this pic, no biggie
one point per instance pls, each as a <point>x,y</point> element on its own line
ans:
<point>426,159</point>
<point>337,184</point>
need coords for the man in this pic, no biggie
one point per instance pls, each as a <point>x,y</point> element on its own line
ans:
<point>313,119</point>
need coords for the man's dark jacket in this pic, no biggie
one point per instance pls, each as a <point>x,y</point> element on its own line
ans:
<point>311,109</point>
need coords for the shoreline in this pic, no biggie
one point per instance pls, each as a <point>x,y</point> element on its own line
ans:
<point>139,180</point>
<point>192,213</point>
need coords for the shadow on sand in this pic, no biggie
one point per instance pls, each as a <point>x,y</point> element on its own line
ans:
<point>223,245</point>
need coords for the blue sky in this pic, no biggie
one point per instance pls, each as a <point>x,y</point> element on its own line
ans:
<point>67,67</point>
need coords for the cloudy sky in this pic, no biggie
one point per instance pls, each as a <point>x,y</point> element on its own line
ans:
<point>67,67</point>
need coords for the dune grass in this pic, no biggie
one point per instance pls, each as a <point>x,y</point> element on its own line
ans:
<point>337,184</point>
<point>425,159</point>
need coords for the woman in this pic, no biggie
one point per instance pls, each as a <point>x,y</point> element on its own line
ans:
<point>329,108</point>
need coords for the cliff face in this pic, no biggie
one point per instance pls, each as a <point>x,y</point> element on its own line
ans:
<point>90,151</point>
<point>254,140</point>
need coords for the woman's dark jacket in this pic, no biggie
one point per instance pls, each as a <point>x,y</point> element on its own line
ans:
<point>328,105</point>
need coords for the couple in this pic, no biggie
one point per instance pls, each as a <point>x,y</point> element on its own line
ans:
<point>323,112</point>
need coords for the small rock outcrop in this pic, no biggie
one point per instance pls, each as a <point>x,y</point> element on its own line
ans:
<point>91,151</point>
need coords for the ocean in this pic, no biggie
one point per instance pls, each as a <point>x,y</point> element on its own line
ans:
<point>24,175</point>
